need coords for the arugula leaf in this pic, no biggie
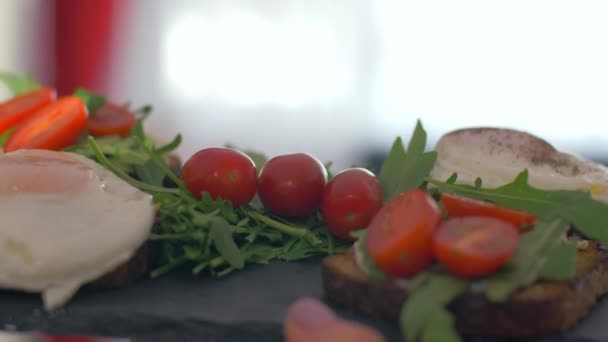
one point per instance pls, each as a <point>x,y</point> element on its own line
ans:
<point>560,263</point>
<point>172,145</point>
<point>19,84</point>
<point>440,327</point>
<point>221,235</point>
<point>91,100</point>
<point>531,255</point>
<point>577,207</point>
<point>363,258</point>
<point>401,170</point>
<point>150,173</point>
<point>419,313</point>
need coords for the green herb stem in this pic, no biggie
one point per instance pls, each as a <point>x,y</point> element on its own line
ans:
<point>287,229</point>
<point>170,237</point>
<point>168,267</point>
<point>118,172</point>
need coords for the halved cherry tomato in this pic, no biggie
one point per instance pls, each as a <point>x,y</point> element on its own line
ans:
<point>457,206</point>
<point>53,127</point>
<point>400,236</point>
<point>350,201</point>
<point>111,119</point>
<point>221,172</point>
<point>22,106</point>
<point>474,246</point>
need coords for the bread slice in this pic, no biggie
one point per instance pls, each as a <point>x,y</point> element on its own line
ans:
<point>542,308</point>
<point>133,269</point>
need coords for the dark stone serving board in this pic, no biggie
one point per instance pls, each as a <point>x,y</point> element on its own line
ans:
<point>246,306</point>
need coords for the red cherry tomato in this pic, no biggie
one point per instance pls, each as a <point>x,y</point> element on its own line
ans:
<point>222,172</point>
<point>350,201</point>
<point>292,185</point>
<point>474,246</point>
<point>457,206</point>
<point>22,106</point>
<point>53,127</point>
<point>400,236</point>
<point>111,119</point>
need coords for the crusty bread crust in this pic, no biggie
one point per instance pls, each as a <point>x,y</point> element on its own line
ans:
<point>542,308</point>
<point>128,272</point>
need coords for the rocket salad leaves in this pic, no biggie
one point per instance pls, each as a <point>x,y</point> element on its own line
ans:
<point>206,235</point>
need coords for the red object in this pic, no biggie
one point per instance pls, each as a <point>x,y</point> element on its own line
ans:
<point>350,201</point>
<point>111,119</point>
<point>475,246</point>
<point>400,236</point>
<point>53,127</point>
<point>22,106</point>
<point>49,338</point>
<point>222,172</point>
<point>83,37</point>
<point>457,206</point>
<point>292,185</point>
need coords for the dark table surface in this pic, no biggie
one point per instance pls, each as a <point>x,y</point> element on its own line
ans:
<point>246,306</point>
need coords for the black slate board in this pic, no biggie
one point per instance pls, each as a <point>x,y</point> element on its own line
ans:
<point>246,306</point>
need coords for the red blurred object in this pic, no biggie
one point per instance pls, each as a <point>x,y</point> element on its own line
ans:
<point>69,339</point>
<point>83,35</point>
<point>111,119</point>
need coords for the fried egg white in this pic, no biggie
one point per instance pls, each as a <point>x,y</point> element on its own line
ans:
<point>64,222</point>
<point>497,156</point>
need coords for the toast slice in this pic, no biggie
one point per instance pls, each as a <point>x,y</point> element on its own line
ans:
<point>539,309</point>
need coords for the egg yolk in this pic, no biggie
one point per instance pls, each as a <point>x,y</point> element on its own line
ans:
<point>42,172</point>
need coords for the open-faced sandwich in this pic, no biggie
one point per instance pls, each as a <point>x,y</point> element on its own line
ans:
<point>87,198</point>
<point>495,232</point>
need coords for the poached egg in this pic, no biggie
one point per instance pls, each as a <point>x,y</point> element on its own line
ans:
<point>498,155</point>
<point>64,222</point>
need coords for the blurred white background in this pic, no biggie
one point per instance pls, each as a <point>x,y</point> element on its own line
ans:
<point>341,78</point>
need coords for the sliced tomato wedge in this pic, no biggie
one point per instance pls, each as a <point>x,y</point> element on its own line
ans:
<point>111,119</point>
<point>20,107</point>
<point>53,127</point>
<point>458,206</point>
<point>474,246</point>
<point>400,236</point>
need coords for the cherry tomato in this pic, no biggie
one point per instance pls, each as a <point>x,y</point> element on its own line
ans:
<point>350,201</point>
<point>53,127</point>
<point>474,246</point>
<point>222,172</point>
<point>111,119</point>
<point>400,236</point>
<point>22,106</point>
<point>292,185</point>
<point>457,206</point>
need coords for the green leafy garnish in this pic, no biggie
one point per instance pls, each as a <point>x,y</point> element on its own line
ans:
<point>18,84</point>
<point>576,207</point>
<point>221,235</point>
<point>209,235</point>
<point>560,262</point>
<point>531,255</point>
<point>91,100</point>
<point>401,170</point>
<point>424,316</point>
